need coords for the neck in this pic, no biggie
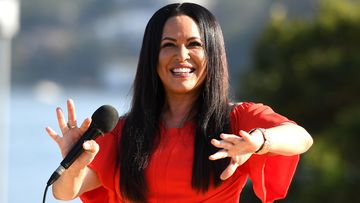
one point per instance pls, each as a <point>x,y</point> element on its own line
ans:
<point>178,110</point>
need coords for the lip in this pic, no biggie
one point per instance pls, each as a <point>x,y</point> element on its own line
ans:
<point>183,65</point>
<point>183,73</point>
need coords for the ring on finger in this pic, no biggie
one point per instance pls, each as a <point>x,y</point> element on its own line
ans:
<point>57,137</point>
<point>71,126</point>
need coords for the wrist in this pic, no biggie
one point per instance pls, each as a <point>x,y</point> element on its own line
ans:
<point>266,145</point>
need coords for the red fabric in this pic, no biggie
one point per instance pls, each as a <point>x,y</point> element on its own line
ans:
<point>98,195</point>
<point>169,171</point>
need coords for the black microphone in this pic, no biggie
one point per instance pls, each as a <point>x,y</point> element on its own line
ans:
<point>104,119</point>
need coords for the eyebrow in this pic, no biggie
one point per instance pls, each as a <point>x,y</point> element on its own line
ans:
<point>172,39</point>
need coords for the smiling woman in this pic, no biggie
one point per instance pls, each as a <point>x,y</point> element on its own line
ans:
<point>181,66</point>
<point>182,59</point>
<point>183,140</point>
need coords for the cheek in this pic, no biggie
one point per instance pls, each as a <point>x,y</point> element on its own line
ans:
<point>202,75</point>
<point>199,57</point>
<point>202,61</point>
<point>162,65</point>
<point>160,60</point>
<point>164,57</point>
<point>160,71</point>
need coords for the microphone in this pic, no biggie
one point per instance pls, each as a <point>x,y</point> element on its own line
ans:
<point>104,119</point>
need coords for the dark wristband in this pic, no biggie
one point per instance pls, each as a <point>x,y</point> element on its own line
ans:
<point>266,144</point>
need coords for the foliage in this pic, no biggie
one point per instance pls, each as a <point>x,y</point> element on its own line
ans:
<point>309,71</point>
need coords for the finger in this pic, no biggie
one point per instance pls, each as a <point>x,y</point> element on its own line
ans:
<point>71,112</point>
<point>219,155</point>
<point>91,146</point>
<point>234,139</point>
<point>53,135</point>
<point>61,120</point>
<point>245,135</point>
<point>85,125</point>
<point>229,171</point>
<point>221,144</point>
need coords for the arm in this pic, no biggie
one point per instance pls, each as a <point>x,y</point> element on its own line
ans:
<point>286,139</point>
<point>78,178</point>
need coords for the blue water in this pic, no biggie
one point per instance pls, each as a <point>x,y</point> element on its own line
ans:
<point>33,154</point>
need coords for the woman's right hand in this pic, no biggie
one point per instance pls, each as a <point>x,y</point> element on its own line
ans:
<point>78,178</point>
<point>71,133</point>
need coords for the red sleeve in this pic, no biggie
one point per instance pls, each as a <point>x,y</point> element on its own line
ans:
<point>104,165</point>
<point>98,195</point>
<point>271,175</point>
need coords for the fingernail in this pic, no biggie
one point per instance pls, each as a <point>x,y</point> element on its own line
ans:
<point>86,145</point>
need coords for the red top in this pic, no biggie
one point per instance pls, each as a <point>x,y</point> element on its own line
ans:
<point>169,171</point>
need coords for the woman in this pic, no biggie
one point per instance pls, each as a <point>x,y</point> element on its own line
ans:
<point>182,140</point>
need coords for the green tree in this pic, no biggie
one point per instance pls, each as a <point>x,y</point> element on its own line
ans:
<point>310,72</point>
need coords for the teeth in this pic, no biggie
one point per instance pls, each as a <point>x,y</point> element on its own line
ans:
<point>181,70</point>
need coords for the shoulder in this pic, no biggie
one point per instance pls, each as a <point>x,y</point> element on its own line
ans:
<point>242,108</point>
<point>108,144</point>
<point>248,115</point>
<point>249,107</point>
<point>119,126</point>
<point>113,135</point>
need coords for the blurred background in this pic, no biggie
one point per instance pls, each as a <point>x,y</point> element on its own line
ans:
<point>300,57</point>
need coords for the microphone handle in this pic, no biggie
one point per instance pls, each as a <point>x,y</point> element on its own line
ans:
<point>77,149</point>
<point>91,134</point>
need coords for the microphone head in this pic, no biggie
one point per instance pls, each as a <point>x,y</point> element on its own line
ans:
<point>105,118</point>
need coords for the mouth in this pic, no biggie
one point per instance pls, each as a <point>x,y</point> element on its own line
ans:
<point>182,72</point>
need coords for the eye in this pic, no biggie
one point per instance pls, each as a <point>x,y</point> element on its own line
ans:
<point>195,44</point>
<point>167,44</point>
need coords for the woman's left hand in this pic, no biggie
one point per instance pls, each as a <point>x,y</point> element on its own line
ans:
<point>238,147</point>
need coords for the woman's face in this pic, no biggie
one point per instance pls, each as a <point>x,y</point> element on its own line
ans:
<point>181,65</point>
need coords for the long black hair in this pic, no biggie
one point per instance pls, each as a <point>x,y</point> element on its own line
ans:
<point>140,134</point>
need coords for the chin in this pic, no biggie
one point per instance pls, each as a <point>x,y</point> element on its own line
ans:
<point>185,90</point>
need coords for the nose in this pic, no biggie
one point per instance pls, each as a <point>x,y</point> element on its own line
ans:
<point>183,53</point>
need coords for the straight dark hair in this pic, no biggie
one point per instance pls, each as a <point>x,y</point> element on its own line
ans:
<point>140,134</point>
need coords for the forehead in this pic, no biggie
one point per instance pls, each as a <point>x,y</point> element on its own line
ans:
<point>180,26</point>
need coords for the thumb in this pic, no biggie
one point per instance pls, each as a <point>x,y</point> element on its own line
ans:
<point>91,146</point>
